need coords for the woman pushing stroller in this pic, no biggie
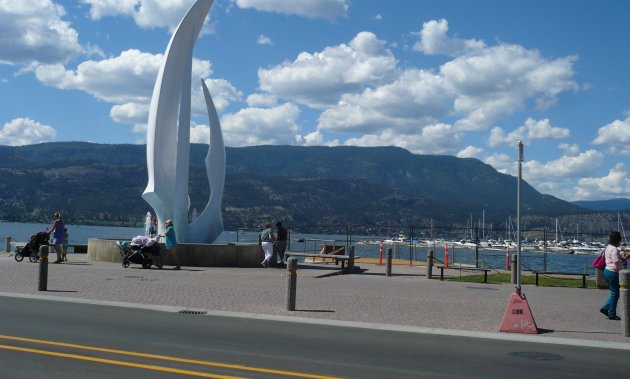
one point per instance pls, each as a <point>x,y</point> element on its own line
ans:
<point>57,235</point>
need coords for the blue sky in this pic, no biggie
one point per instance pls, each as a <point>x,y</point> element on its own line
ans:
<point>463,78</point>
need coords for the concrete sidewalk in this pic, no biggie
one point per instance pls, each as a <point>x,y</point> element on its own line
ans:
<point>407,298</point>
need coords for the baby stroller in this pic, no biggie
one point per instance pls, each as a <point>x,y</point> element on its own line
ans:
<point>139,250</point>
<point>31,249</point>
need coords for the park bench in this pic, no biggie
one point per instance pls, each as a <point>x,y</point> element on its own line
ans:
<point>464,268</point>
<point>582,274</point>
<point>329,253</point>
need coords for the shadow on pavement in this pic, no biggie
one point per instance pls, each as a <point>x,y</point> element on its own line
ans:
<point>62,291</point>
<point>315,310</point>
<point>393,274</point>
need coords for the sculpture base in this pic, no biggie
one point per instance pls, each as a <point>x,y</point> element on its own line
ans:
<point>189,254</point>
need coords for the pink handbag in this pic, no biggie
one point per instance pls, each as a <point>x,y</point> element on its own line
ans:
<point>599,262</point>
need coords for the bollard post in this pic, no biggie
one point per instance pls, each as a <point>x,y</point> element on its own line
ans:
<point>513,259</point>
<point>43,268</point>
<point>624,301</point>
<point>380,254</point>
<point>388,268</point>
<point>430,264</point>
<point>7,246</point>
<point>351,259</point>
<point>291,282</point>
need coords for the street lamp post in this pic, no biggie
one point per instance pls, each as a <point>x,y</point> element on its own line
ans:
<point>518,217</point>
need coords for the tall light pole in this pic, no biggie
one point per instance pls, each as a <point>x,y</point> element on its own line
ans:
<point>518,316</point>
<point>518,217</point>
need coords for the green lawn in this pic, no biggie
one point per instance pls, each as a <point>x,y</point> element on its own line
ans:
<point>543,280</point>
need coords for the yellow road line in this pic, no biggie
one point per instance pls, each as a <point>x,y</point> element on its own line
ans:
<point>118,363</point>
<point>167,358</point>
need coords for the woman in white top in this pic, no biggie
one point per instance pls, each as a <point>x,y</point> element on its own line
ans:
<point>615,259</point>
<point>266,241</point>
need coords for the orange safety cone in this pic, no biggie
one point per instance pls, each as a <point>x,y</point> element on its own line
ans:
<point>446,254</point>
<point>507,258</point>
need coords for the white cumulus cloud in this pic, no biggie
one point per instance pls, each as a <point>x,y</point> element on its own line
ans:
<point>578,166</point>
<point>432,139</point>
<point>319,79</point>
<point>262,126</point>
<point>264,40</point>
<point>497,81</point>
<point>433,40</point>
<point>470,152</point>
<point>414,99</point>
<point>130,113</point>
<point>328,9</point>
<point>616,135</point>
<point>25,131</point>
<point>146,13</point>
<point>480,86</point>
<point>261,100</point>
<point>531,130</point>
<point>128,80</point>
<point>34,32</point>
<point>503,163</point>
<point>615,184</point>
<point>128,77</point>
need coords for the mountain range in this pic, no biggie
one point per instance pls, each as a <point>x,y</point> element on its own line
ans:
<point>620,204</point>
<point>322,188</point>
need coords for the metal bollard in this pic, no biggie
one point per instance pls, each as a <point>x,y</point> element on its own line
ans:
<point>43,268</point>
<point>430,264</point>
<point>514,267</point>
<point>7,246</point>
<point>291,282</point>
<point>624,301</point>
<point>351,259</point>
<point>388,266</point>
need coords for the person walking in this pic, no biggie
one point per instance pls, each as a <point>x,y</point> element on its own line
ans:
<point>614,263</point>
<point>64,246</point>
<point>267,239</point>
<point>170,242</point>
<point>56,232</point>
<point>281,242</point>
<point>153,227</point>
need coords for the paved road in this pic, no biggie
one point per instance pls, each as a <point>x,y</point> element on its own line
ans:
<point>407,299</point>
<point>42,338</point>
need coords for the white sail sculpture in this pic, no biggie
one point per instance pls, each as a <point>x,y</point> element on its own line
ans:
<point>168,139</point>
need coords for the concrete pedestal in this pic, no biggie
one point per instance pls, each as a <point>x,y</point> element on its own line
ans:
<point>189,254</point>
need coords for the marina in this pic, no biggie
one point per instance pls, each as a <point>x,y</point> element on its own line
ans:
<point>488,254</point>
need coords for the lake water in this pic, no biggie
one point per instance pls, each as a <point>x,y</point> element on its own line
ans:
<point>79,234</point>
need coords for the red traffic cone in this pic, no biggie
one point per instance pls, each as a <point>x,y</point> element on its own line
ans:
<point>518,316</point>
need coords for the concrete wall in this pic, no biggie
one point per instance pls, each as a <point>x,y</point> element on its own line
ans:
<point>189,254</point>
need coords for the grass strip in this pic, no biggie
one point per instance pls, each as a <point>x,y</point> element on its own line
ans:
<point>543,280</point>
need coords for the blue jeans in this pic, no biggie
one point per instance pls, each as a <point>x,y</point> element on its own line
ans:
<point>613,283</point>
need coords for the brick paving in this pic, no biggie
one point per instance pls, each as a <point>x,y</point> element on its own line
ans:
<point>407,298</point>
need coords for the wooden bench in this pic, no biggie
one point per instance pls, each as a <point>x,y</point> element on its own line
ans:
<point>464,268</point>
<point>332,250</point>
<point>336,258</point>
<point>582,274</point>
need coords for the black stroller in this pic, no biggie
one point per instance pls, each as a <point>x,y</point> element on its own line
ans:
<point>134,252</point>
<point>31,249</point>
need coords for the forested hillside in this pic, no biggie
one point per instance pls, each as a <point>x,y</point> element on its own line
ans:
<point>370,187</point>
